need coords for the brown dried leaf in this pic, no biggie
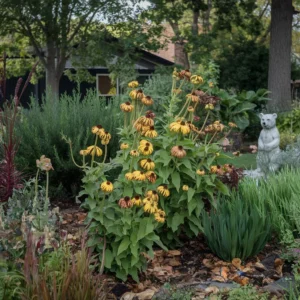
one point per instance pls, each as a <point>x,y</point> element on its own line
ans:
<point>267,280</point>
<point>237,263</point>
<point>212,290</point>
<point>174,262</point>
<point>241,280</point>
<point>218,278</point>
<point>173,253</point>
<point>208,263</point>
<point>222,271</point>
<point>278,264</point>
<point>260,267</point>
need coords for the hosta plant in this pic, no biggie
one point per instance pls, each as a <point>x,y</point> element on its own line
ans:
<point>168,173</point>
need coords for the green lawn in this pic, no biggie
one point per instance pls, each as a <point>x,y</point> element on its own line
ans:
<point>247,160</point>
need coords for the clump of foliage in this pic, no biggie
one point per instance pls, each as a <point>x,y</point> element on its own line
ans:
<point>239,227</point>
<point>10,177</point>
<point>52,275</point>
<point>168,173</point>
<point>41,126</point>
<point>248,292</point>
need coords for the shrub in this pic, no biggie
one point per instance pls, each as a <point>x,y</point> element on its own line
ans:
<point>287,138</point>
<point>41,128</point>
<point>239,227</point>
<point>168,172</point>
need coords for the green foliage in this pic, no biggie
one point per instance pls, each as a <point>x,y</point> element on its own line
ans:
<point>239,227</point>
<point>41,127</point>
<point>172,293</point>
<point>287,138</point>
<point>289,121</point>
<point>55,275</point>
<point>241,108</point>
<point>248,292</point>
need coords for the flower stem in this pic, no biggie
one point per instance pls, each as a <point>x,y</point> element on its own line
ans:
<point>94,151</point>
<point>202,126</point>
<point>47,185</point>
<point>36,190</point>
<point>103,255</point>
<point>105,154</point>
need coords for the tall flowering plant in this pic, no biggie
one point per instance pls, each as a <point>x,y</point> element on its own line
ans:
<point>167,173</point>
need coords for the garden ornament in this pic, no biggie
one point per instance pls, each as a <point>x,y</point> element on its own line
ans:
<point>268,155</point>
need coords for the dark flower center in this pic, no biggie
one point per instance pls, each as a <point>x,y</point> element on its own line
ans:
<point>149,160</point>
<point>126,198</point>
<point>151,127</point>
<point>154,192</point>
<point>182,123</point>
<point>108,182</point>
<point>99,126</point>
<point>137,197</point>
<point>180,148</point>
<point>127,103</point>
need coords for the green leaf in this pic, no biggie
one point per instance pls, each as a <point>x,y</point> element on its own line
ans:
<point>124,245</point>
<point>146,227</point>
<point>242,121</point>
<point>109,257</point>
<point>243,107</point>
<point>177,220</point>
<point>128,191</point>
<point>176,180</point>
<point>190,194</point>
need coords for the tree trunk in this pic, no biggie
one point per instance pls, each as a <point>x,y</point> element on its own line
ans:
<point>195,29</point>
<point>181,56</point>
<point>206,17</point>
<point>279,81</point>
<point>52,83</point>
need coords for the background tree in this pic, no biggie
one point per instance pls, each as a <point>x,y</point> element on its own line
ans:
<point>54,27</point>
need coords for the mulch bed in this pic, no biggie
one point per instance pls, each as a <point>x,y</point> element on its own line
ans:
<point>190,265</point>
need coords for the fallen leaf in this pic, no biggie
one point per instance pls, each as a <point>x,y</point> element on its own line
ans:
<point>278,264</point>
<point>222,271</point>
<point>145,295</point>
<point>173,253</point>
<point>237,263</point>
<point>267,281</point>
<point>241,280</point>
<point>260,267</point>
<point>218,278</point>
<point>174,262</point>
<point>212,290</point>
<point>208,263</point>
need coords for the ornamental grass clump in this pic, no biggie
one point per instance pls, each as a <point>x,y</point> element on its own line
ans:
<point>238,228</point>
<point>165,178</point>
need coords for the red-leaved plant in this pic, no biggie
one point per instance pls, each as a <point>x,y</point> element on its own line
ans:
<point>10,177</point>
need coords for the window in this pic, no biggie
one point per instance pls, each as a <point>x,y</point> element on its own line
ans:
<point>105,87</point>
<point>143,77</point>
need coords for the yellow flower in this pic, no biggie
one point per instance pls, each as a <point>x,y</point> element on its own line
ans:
<point>94,150</point>
<point>150,207</point>
<point>96,129</point>
<point>180,127</point>
<point>211,84</point>
<point>133,84</point>
<point>193,97</point>
<point>136,94</point>
<point>147,164</point>
<point>163,190</point>
<point>105,135</point>
<point>129,176</point>
<point>200,172</point>
<point>191,109</point>
<point>134,153</point>
<point>218,126</point>
<point>232,125</point>
<point>147,200</point>
<point>145,149</point>
<point>209,106</point>
<point>217,154</point>
<point>139,176</point>
<point>106,187</point>
<point>151,176</point>
<point>83,152</point>
<point>196,79</point>
<point>137,201</point>
<point>151,133</point>
<point>175,74</point>
<point>124,146</point>
<point>160,216</point>
<point>147,100</point>
<point>105,141</point>
<point>213,169</point>
<point>146,120</point>
<point>178,151</point>
<point>127,107</point>
<point>152,194</point>
<point>185,188</point>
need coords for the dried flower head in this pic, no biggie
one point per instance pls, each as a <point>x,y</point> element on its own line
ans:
<point>94,150</point>
<point>136,94</point>
<point>178,151</point>
<point>147,164</point>
<point>44,163</point>
<point>151,176</point>
<point>196,79</point>
<point>193,97</point>
<point>151,132</point>
<point>134,153</point>
<point>147,100</point>
<point>127,107</point>
<point>160,216</point>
